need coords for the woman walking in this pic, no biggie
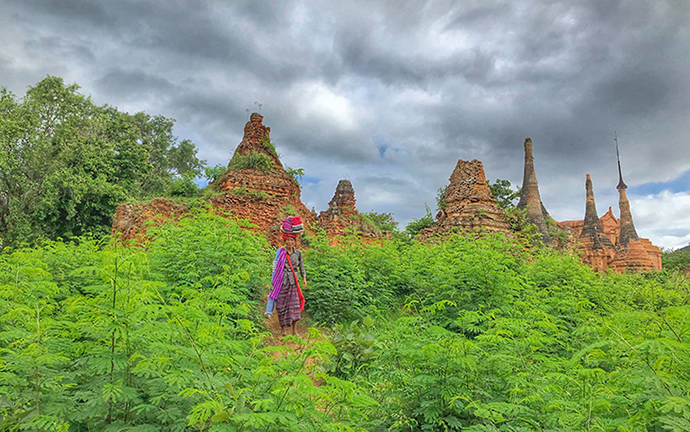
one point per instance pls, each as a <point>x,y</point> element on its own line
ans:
<point>286,292</point>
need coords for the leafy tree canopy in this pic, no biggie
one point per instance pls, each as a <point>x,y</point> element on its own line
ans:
<point>503,192</point>
<point>66,163</point>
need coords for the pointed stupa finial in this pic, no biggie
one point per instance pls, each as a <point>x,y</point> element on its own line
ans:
<point>592,228</point>
<point>621,183</point>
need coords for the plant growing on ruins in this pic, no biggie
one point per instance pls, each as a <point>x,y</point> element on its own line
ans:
<point>503,192</point>
<point>416,225</point>
<point>269,146</point>
<point>252,160</point>
<point>250,194</point>
<point>441,198</point>
<point>296,174</point>
<point>214,173</point>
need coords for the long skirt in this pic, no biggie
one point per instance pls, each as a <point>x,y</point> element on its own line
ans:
<point>287,305</point>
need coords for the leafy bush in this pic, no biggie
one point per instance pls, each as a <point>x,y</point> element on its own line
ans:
<point>252,160</point>
<point>214,173</point>
<point>296,174</point>
<point>344,281</point>
<point>184,186</point>
<point>416,225</point>
<point>104,337</point>
<point>503,192</point>
<point>441,198</point>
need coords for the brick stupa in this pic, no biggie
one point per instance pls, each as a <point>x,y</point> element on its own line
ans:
<point>612,243</point>
<point>469,204</point>
<point>598,250</point>
<point>262,195</point>
<point>530,198</point>
<point>631,254</point>
<point>342,218</point>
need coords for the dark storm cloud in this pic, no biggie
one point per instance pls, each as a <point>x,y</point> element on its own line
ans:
<point>133,83</point>
<point>401,89</point>
<point>82,11</point>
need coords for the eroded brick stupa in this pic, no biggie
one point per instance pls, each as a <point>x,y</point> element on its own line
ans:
<point>612,243</point>
<point>255,187</point>
<point>469,204</point>
<point>342,218</point>
<point>596,247</point>
<point>530,198</point>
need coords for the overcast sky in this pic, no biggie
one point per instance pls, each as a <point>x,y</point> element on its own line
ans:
<point>390,94</point>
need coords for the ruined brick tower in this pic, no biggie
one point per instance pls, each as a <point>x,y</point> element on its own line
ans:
<point>469,204</point>
<point>598,250</point>
<point>630,251</point>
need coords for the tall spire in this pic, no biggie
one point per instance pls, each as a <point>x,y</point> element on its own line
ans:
<point>621,183</point>
<point>592,229</point>
<point>529,196</point>
<point>627,230</point>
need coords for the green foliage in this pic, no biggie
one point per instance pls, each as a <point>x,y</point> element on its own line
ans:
<point>214,173</point>
<point>296,174</point>
<point>99,336</point>
<point>477,333</point>
<point>184,186</point>
<point>503,192</point>
<point>349,280</point>
<point>676,260</point>
<point>269,146</point>
<point>441,198</point>
<point>66,163</point>
<point>250,194</point>
<point>252,160</point>
<point>381,221</point>
<point>416,225</point>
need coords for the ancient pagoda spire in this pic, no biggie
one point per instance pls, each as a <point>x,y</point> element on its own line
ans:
<point>592,229</point>
<point>627,230</point>
<point>529,196</point>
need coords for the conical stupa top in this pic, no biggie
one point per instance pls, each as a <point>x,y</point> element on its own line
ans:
<point>529,195</point>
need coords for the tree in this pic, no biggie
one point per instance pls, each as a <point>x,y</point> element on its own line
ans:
<point>66,163</point>
<point>504,194</point>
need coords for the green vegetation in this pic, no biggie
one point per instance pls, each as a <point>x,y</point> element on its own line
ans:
<point>66,163</point>
<point>269,146</point>
<point>441,198</point>
<point>250,194</point>
<point>252,160</point>
<point>296,174</point>
<point>416,225</point>
<point>503,192</point>
<point>676,260</point>
<point>478,333</point>
<point>214,173</point>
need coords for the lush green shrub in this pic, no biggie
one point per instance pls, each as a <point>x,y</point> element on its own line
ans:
<point>183,186</point>
<point>416,225</point>
<point>104,337</point>
<point>214,173</point>
<point>252,160</point>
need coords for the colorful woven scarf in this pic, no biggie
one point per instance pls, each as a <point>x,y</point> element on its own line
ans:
<point>278,270</point>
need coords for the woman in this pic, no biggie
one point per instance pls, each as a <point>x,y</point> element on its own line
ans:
<point>286,292</point>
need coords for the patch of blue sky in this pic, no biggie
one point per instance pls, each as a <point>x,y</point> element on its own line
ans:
<point>680,184</point>
<point>310,179</point>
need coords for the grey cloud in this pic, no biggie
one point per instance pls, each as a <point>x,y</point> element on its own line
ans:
<point>134,83</point>
<point>567,74</point>
<point>72,10</point>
